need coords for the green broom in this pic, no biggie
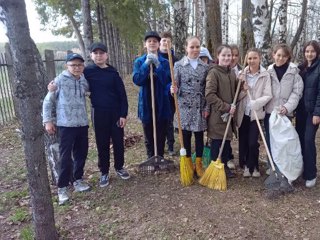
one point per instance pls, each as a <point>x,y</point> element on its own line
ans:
<point>186,166</point>
<point>215,177</point>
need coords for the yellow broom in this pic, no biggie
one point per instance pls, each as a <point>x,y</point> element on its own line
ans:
<point>215,177</point>
<point>186,166</point>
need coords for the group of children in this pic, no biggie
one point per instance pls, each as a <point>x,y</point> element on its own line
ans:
<point>205,92</point>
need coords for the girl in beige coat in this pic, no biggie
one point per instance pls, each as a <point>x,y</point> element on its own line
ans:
<point>257,81</point>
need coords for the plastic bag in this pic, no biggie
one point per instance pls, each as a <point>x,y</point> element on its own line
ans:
<point>285,146</point>
<point>206,156</point>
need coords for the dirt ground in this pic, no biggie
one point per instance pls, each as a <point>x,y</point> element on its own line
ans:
<point>157,206</point>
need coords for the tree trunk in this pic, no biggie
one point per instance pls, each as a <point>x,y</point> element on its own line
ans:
<point>87,28</point>
<point>301,24</point>
<point>225,21</point>
<point>261,29</point>
<point>247,39</point>
<point>213,28</point>
<point>283,19</point>
<point>78,34</point>
<point>30,88</point>
<point>180,27</point>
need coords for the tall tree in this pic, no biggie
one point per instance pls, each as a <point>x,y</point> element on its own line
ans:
<point>247,39</point>
<point>225,21</point>
<point>301,24</point>
<point>213,28</point>
<point>261,28</point>
<point>87,27</point>
<point>283,19</point>
<point>29,89</point>
<point>180,26</point>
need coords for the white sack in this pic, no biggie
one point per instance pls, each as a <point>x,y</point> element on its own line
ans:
<point>285,146</point>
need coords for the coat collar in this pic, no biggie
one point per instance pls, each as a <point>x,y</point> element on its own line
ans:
<point>185,61</point>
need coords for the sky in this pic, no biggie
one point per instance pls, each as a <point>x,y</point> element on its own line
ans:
<point>35,27</point>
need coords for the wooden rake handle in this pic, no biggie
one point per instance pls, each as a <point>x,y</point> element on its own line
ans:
<point>154,120</point>
<point>175,95</point>
<point>229,121</point>
<point>262,135</point>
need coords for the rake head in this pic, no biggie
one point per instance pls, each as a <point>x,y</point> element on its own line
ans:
<point>277,184</point>
<point>156,164</point>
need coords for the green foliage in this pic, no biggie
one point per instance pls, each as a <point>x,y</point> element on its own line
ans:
<point>27,233</point>
<point>129,16</point>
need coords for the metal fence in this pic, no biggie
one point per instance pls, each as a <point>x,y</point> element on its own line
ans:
<point>7,112</point>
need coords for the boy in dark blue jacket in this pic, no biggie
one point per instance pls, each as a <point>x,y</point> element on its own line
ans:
<point>109,111</point>
<point>162,83</point>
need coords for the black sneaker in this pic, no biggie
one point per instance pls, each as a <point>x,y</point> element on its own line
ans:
<point>104,180</point>
<point>123,173</point>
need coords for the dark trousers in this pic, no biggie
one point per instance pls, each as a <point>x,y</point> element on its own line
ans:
<point>170,134</point>
<point>248,144</point>
<point>106,127</point>
<point>73,147</point>
<point>215,147</point>
<point>307,135</point>
<point>199,145</point>
<point>161,137</point>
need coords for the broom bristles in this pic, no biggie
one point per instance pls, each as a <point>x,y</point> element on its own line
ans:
<point>186,171</point>
<point>214,177</point>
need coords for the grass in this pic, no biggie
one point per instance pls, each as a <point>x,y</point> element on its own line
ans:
<point>20,215</point>
<point>27,233</point>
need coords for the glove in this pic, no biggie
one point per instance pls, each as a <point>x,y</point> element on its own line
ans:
<point>152,58</point>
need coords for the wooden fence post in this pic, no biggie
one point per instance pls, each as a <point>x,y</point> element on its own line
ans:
<point>50,64</point>
<point>12,79</point>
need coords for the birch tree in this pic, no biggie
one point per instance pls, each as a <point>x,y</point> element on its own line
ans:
<point>29,88</point>
<point>180,27</point>
<point>283,20</point>
<point>261,28</point>
<point>225,21</point>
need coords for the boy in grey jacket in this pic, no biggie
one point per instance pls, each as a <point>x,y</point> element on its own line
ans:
<point>65,109</point>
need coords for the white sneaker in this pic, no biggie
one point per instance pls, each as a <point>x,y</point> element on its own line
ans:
<point>80,186</point>
<point>231,164</point>
<point>62,195</point>
<point>311,183</point>
<point>268,171</point>
<point>246,172</point>
<point>256,173</point>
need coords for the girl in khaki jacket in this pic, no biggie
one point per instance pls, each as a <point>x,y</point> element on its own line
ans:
<point>257,81</point>
<point>220,90</point>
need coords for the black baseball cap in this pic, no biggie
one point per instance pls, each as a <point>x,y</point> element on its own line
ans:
<point>152,34</point>
<point>98,45</point>
<point>72,56</point>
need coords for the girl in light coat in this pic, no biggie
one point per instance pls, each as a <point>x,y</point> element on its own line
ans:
<point>257,81</point>
<point>190,76</point>
<point>286,83</point>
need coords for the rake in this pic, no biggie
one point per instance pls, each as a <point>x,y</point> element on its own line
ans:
<point>155,164</point>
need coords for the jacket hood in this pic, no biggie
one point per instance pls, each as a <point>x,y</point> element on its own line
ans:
<point>292,68</point>
<point>221,68</point>
<point>263,71</point>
